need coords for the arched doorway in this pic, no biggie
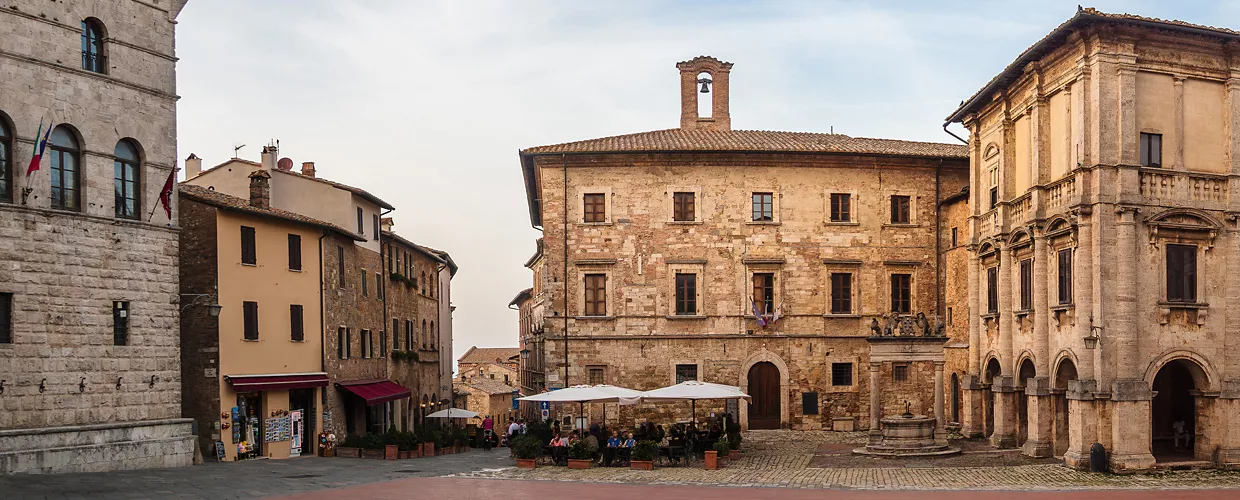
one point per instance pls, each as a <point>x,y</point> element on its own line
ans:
<point>988,377</point>
<point>1173,413</point>
<point>955,406</point>
<point>1027,371</point>
<point>764,391</point>
<point>1063,374</point>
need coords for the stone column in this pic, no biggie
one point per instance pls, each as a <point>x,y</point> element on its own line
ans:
<point>1130,396</point>
<point>1003,385</point>
<point>940,424</point>
<point>1082,423</point>
<point>1041,415</point>
<point>1041,405</point>
<point>876,433</point>
<point>971,418</point>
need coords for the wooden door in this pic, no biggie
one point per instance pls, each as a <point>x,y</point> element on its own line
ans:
<point>764,390</point>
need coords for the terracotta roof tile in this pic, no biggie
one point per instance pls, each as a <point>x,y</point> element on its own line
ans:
<point>751,140</point>
<point>229,202</point>
<point>1052,40</point>
<point>489,354</point>
<point>355,190</point>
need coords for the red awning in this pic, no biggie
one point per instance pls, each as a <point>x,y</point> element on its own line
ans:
<point>276,382</point>
<point>375,391</point>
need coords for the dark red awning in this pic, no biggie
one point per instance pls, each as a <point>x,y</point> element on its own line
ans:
<point>375,391</point>
<point>278,382</point>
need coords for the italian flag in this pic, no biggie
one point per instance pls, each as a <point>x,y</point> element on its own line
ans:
<point>36,156</point>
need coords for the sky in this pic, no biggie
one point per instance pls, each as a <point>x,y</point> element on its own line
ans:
<point>427,103</point>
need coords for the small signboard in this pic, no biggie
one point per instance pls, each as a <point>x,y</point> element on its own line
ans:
<point>219,451</point>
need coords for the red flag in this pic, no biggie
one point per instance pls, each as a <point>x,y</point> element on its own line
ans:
<point>37,157</point>
<point>165,196</point>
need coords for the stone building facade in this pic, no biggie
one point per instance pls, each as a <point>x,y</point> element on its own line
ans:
<point>486,397</point>
<point>89,370</point>
<point>709,253</point>
<point>494,363</point>
<point>262,353</point>
<point>1104,245</point>
<point>413,312</point>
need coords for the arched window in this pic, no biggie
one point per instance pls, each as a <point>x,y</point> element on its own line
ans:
<point>6,151</point>
<point>127,172</point>
<point>93,58</point>
<point>423,289</point>
<point>424,334</point>
<point>432,334</point>
<point>66,169</point>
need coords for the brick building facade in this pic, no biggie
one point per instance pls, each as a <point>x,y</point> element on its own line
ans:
<point>756,259</point>
<point>89,358</point>
<point>1104,245</point>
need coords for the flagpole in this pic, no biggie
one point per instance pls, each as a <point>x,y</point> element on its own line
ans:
<point>168,186</point>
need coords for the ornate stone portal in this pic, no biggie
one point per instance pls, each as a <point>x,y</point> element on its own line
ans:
<point>906,340</point>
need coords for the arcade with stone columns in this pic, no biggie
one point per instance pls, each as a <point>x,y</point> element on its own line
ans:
<point>1104,263</point>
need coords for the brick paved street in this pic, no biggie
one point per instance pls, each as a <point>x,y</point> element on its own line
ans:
<point>772,459</point>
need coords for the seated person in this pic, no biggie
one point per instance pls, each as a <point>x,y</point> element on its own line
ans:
<point>626,448</point>
<point>559,450</point>
<point>609,453</point>
<point>591,444</point>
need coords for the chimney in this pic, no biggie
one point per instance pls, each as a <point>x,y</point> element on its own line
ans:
<point>307,168</point>
<point>193,166</point>
<point>704,75</point>
<point>260,189</point>
<point>269,157</point>
<point>386,224</point>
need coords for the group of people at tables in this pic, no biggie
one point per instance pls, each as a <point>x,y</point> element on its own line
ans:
<point>611,447</point>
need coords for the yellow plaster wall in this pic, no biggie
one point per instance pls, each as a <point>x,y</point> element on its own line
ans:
<point>1203,127</point>
<point>1060,164</point>
<point>1021,180</point>
<point>1156,111</point>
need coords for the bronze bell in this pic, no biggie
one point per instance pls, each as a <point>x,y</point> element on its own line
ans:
<point>705,88</point>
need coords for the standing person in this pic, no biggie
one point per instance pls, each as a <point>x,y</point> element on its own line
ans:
<point>513,429</point>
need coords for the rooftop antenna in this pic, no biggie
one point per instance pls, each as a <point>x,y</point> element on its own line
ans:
<point>236,149</point>
<point>833,129</point>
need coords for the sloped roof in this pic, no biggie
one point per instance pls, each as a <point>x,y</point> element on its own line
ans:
<point>233,203</point>
<point>439,256</point>
<point>355,190</point>
<point>521,296</point>
<point>1056,37</point>
<point>488,354</point>
<point>751,141</point>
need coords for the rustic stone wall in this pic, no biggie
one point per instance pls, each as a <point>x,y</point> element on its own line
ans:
<point>348,308</point>
<point>409,302</point>
<point>200,341</point>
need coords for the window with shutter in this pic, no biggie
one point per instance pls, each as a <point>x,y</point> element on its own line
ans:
<point>841,207</point>
<point>294,252</point>
<point>296,318</point>
<point>250,310</point>
<point>992,290</point>
<point>686,294</point>
<point>249,254</point>
<point>1026,285</point>
<point>901,293</point>
<point>683,207</point>
<point>1181,273</point>
<point>6,318</point>
<point>596,295</point>
<point>841,293</point>
<point>595,207</point>
<point>900,213</point>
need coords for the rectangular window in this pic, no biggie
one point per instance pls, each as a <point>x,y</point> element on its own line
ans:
<point>379,286</point>
<point>409,343</point>
<point>901,293</point>
<point>249,254</point>
<point>125,180</point>
<point>764,292</point>
<point>596,295</point>
<point>1181,273</point>
<point>294,252</point>
<point>340,266</point>
<point>395,334</point>
<point>841,374</point>
<point>686,294</point>
<point>1026,285</point>
<point>595,207</point>
<point>809,403</point>
<point>374,219</point>
<point>899,372</point>
<point>992,290</point>
<point>365,287</point>
<point>65,177</point>
<point>841,207</point>
<point>900,213</point>
<point>6,318</point>
<point>994,197</point>
<point>685,373</point>
<point>382,344</point>
<point>296,323</point>
<point>348,343</point>
<point>954,240</point>
<point>1151,150</point>
<point>1065,276</point>
<point>250,310</point>
<point>763,207</point>
<point>361,224</point>
<point>341,343</point>
<point>120,322</point>
<point>949,315</point>
<point>367,349</point>
<point>594,375</point>
<point>683,207</point>
<point>841,293</point>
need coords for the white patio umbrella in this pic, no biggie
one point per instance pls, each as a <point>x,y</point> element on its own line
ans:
<point>453,413</point>
<point>692,391</point>
<point>582,394</point>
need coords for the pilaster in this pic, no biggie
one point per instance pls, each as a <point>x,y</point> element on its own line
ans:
<point>1005,393</point>
<point>972,411</point>
<point>1041,408</point>
<point>1082,423</point>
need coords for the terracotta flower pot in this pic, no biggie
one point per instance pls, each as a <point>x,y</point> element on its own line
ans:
<point>526,463</point>
<point>342,451</point>
<point>574,463</point>
<point>712,460</point>
<point>377,454</point>
<point>641,464</point>
<point>391,452</point>
<point>428,449</point>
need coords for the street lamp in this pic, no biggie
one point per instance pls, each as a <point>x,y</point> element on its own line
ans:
<point>525,354</point>
<point>213,309</point>
<point>1091,340</point>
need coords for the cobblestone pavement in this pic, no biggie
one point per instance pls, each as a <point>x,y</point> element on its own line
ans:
<point>783,458</point>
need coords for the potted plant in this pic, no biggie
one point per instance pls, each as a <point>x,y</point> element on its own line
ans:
<point>580,456</point>
<point>351,447</point>
<point>428,442</point>
<point>642,456</point>
<point>460,438</point>
<point>525,449</point>
<point>712,460</point>
<point>734,436</point>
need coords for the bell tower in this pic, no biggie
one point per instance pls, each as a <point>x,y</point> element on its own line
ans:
<point>704,94</point>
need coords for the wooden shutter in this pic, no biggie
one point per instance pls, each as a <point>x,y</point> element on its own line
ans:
<point>249,255</point>
<point>294,252</point>
<point>296,323</point>
<point>251,320</point>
